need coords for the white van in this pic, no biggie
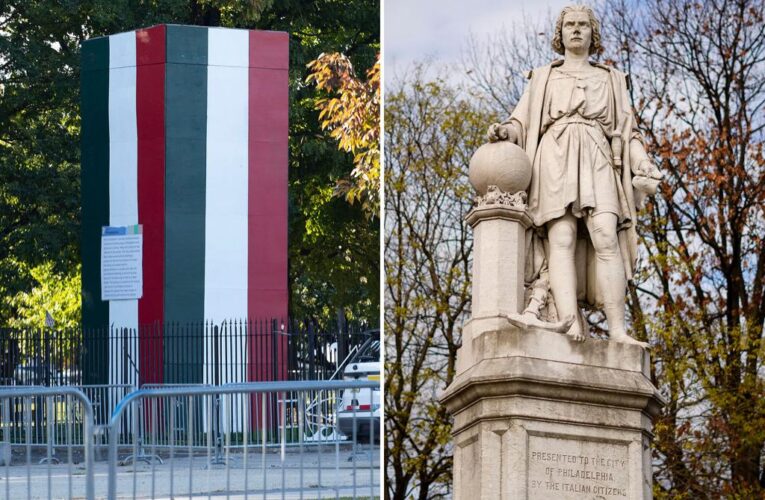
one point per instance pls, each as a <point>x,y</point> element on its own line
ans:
<point>360,408</point>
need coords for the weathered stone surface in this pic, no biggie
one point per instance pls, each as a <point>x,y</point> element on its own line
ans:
<point>498,259</point>
<point>520,395</point>
<point>589,168</point>
<point>573,468</point>
<point>500,164</point>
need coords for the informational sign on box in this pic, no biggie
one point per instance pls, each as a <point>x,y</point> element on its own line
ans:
<point>121,262</point>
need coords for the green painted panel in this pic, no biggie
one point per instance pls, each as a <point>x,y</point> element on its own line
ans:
<point>94,110</point>
<point>186,44</point>
<point>186,135</point>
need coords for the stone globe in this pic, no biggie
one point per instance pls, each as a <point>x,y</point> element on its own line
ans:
<point>502,164</point>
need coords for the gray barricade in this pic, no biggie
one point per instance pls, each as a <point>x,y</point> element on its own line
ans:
<point>103,399</point>
<point>65,411</point>
<point>243,439</point>
<point>254,439</point>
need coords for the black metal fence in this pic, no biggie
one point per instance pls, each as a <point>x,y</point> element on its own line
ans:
<point>174,353</point>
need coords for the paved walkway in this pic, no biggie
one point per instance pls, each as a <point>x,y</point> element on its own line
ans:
<point>313,474</point>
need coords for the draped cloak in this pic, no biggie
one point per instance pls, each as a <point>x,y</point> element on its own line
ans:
<point>527,119</point>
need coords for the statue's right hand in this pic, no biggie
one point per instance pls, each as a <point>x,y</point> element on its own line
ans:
<point>500,132</point>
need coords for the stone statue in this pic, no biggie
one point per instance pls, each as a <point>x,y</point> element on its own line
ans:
<point>589,171</point>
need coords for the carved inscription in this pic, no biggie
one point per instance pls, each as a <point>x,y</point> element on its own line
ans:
<point>577,469</point>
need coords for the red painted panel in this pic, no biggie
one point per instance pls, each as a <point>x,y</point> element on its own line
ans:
<point>269,270</point>
<point>271,180</point>
<point>267,194</point>
<point>150,113</point>
<point>269,49</point>
<point>150,45</point>
<point>268,301</point>
<point>268,110</point>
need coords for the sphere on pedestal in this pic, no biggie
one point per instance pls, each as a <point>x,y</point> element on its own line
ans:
<point>502,164</point>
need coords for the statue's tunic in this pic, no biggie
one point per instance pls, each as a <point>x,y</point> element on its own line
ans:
<point>573,166</point>
<point>565,121</point>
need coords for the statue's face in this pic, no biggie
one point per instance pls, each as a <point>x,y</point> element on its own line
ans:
<point>577,32</point>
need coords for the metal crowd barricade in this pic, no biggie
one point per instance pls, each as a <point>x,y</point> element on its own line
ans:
<point>103,399</point>
<point>255,439</point>
<point>244,439</point>
<point>59,411</point>
<point>156,434</point>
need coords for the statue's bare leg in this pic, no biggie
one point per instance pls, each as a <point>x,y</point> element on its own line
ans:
<point>561,234</point>
<point>610,273</point>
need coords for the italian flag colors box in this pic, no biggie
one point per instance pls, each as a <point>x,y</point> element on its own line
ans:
<point>184,132</point>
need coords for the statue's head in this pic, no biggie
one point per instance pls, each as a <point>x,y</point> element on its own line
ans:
<point>577,11</point>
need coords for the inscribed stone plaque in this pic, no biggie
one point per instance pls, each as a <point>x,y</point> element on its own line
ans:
<point>577,469</point>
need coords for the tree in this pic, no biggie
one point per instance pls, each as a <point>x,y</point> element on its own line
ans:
<point>699,73</point>
<point>353,118</point>
<point>432,130</point>
<point>54,294</point>
<point>495,66</point>
<point>334,249</point>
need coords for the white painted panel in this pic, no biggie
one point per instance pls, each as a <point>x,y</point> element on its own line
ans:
<point>123,190</point>
<point>226,190</point>
<point>122,50</point>
<point>228,47</point>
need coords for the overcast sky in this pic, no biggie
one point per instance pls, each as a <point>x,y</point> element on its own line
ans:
<point>415,29</point>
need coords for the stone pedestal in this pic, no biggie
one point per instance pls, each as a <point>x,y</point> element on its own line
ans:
<point>538,416</point>
<point>499,254</point>
<point>499,233</point>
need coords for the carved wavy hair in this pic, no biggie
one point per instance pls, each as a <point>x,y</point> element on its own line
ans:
<point>557,41</point>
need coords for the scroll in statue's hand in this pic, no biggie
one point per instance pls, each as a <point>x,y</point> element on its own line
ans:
<point>500,132</point>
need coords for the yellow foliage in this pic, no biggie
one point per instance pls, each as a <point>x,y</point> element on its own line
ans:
<point>352,116</point>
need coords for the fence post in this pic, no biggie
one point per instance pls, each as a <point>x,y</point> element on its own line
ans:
<point>125,345</point>
<point>342,340</point>
<point>311,352</point>
<point>215,424</point>
<point>216,355</point>
<point>47,356</point>
<point>275,349</point>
